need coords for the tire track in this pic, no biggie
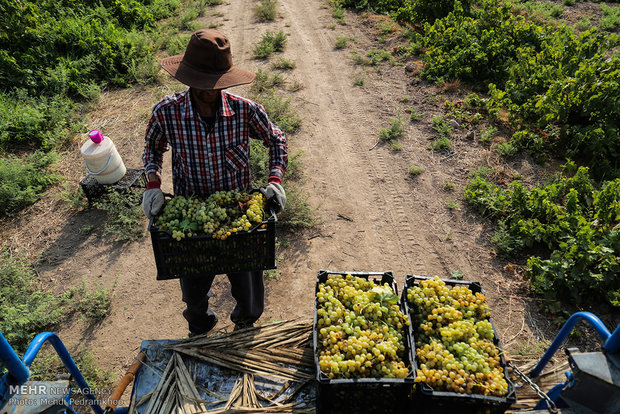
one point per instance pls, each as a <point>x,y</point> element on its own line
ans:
<point>401,239</point>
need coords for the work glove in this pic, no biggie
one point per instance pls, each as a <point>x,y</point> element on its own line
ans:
<point>275,195</point>
<point>152,202</point>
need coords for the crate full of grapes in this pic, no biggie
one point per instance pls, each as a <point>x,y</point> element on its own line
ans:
<point>361,346</point>
<point>460,365</point>
<point>226,233</point>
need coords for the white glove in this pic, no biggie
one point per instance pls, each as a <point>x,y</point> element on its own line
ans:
<point>152,202</point>
<point>275,195</point>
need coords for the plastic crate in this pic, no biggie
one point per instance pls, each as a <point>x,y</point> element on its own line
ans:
<point>361,395</point>
<point>202,255</point>
<point>440,402</point>
<point>133,180</point>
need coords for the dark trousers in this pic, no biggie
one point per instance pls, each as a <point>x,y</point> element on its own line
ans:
<point>247,288</point>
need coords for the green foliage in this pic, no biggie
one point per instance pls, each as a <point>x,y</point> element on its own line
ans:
<point>569,229</point>
<point>393,132</point>
<point>55,56</point>
<point>441,126</point>
<point>341,42</point>
<point>360,60</point>
<point>476,48</point>
<point>25,310</point>
<point>406,10</point>
<point>64,45</point>
<point>359,80</point>
<point>395,146</point>
<point>584,24</point>
<point>415,170</point>
<point>563,101</point>
<point>506,149</point>
<point>456,274</point>
<point>279,109</point>
<point>47,366</point>
<point>610,21</point>
<point>36,122</point>
<point>265,81</point>
<point>541,11</point>
<point>452,204</point>
<point>298,213</point>
<point>337,10</point>
<point>377,55</point>
<point>94,304</point>
<point>270,42</point>
<point>414,116</point>
<point>23,181</point>
<point>487,135</point>
<point>266,10</point>
<point>559,89</point>
<point>283,64</point>
<point>440,144</point>
<point>125,219</point>
<point>444,129</point>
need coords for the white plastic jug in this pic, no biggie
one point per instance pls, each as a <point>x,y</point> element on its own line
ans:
<point>102,159</point>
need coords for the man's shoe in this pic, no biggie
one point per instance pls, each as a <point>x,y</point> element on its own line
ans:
<point>242,326</point>
<point>211,325</point>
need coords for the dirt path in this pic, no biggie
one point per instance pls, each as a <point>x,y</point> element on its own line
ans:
<point>374,217</point>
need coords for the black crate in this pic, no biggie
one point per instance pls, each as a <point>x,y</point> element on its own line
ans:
<point>133,180</point>
<point>440,402</point>
<point>202,255</point>
<point>361,395</point>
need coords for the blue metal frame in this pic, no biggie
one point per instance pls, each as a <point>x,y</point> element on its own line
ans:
<point>19,371</point>
<point>612,342</point>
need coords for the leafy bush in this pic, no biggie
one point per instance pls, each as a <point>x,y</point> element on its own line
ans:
<point>562,99</point>
<point>610,20</point>
<point>279,110</point>
<point>125,219</point>
<point>568,228</point>
<point>270,42</point>
<point>23,181</point>
<point>25,310</point>
<point>74,43</point>
<point>94,305</point>
<point>407,10</point>
<point>395,131</point>
<point>558,89</point>
<point>265,10</point>
<point>36,122</point>
<point>477,48</point>
<point>265,81</point>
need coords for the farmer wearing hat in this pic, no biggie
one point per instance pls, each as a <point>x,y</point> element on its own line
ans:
<point>208,130</point>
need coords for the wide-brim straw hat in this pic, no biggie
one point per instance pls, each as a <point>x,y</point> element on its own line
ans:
<point>207,63</point>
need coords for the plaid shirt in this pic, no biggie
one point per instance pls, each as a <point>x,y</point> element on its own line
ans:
<point>208,159</point>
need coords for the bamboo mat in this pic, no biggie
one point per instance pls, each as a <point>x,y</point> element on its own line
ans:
<point>281,352</point>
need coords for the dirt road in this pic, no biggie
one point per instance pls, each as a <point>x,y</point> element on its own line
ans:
<point>374,216</point>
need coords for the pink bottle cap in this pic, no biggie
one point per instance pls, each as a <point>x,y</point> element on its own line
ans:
<point>96,136</point>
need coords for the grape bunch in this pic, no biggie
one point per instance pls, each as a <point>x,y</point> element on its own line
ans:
<point>454,340</point>
<point>360,329</point>
<point>222,214</point>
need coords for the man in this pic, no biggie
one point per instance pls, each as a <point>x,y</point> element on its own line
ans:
<point>208,130</point>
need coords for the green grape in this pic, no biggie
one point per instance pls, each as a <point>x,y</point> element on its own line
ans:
<point>222,214</point>
<point>358,337</point>
<point>454,340</point>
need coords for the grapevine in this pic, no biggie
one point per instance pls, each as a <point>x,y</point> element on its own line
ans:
<point>360,329</point>
<point>454,340</point>
<point>222,214</point>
